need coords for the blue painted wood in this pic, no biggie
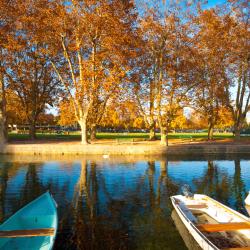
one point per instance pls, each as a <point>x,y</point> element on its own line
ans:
<point>40,213</point>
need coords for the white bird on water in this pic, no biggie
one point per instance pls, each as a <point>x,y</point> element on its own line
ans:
<point>106,156</point>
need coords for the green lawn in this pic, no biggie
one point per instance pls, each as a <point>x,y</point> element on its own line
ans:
<point>171,135</point>
<point>40,136</point>
<point>76,136</point>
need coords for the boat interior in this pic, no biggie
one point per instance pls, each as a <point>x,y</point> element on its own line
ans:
<point>224,227</point>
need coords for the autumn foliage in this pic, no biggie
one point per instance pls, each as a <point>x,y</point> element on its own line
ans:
<point>120,64</point>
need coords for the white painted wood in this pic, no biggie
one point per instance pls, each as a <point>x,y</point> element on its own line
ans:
<point>247,200</point>
<point>216,210</point>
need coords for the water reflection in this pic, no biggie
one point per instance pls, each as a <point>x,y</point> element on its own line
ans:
<point>214,182</point>
<point>238,188</point>
<point>120,204</point>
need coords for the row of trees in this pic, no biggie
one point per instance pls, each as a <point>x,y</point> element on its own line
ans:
<point>90,57</point>
<point>128,116</point>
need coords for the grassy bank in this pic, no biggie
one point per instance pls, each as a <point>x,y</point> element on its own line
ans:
<point>114,136</point>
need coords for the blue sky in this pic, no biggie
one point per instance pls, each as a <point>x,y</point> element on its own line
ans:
<point>212,3</point>
<point>164,3</point>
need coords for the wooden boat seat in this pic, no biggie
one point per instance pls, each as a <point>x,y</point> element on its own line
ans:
<point>198,206</point>
<point>224,227</point>
<point>27,233</point>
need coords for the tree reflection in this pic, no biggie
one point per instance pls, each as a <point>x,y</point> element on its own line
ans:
<point>128,208</point>
<point>154,227</point>
<point>102,219</point>
<point>214,183</point>
<point>238,187</point>
<point>8,171</point>
<point>151,175</point>
<point>161,187</point>
<point>166,185</point>
<point>79,223</point>
<point>4,180</point>
<point>92,227</point>
<point>33,186</point>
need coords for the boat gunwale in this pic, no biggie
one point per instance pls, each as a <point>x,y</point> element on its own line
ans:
<point>193,225</point>
<point>56,217</point>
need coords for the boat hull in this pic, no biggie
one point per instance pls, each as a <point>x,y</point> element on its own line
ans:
<point>196,234</point>
<point>38,214</point>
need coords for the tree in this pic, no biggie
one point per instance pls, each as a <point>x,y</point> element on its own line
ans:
<point>66,113</point>
<point>95,116</point>
<point>10,40</point>
<point>26,70</point>
<point>225,118</point>
<point>32,79</point>
<point>239,63</point>
<point>111,118</point>
<point>196,120</point>
<point>122,114</point>
<point>144,78</point>
<point>93,42</point>
<point>16,115</point>
<point>47,119</point>
<point>178,120</point>
<point>210,50</point>
<point>166,88</point>
<point>14,110</point>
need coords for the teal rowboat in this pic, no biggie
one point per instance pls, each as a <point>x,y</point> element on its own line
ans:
<point>32,227</point>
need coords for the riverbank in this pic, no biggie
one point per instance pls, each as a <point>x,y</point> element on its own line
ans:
<point>107,148</point>
<point>75,148</point>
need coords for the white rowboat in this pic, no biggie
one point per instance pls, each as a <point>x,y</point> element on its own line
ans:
<point>212,224</point>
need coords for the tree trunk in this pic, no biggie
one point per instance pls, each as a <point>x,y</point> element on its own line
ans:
<point>3,130</point>
<point>32,130</point>
<point>152,132</point>
<point>84,131</point>
<point>93,132</point>
<point>242,100</point>
<point>167,130</point>
<point>210,131</point>
<point>163,136</point>
<point>237,133</point>
<point>237,129</point>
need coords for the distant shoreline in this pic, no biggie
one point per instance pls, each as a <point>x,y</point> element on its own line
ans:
<point>146,148</point>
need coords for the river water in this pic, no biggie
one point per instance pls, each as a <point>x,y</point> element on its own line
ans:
<point>118,203</point>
